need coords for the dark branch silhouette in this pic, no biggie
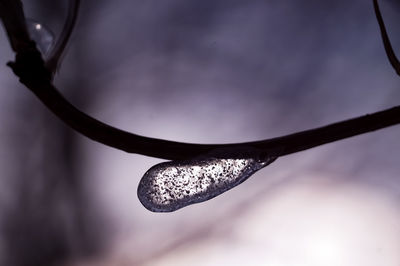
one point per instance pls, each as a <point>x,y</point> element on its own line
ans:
<point>56,54</point>
<point>35,75</point>
<point>386,41</point>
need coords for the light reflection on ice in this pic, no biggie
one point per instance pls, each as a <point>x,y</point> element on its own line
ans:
<point>172,185</point>
<point>43,36</point>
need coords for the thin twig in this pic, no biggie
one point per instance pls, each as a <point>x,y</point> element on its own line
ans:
<point>56,53</point>
<point>12,15</point>
<point>171,150</point>
<point>386,41</point>
<point>31,69</point>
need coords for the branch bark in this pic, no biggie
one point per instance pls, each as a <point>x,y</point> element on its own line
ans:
<point>386,41</point>
<point>57,52</point>
<point>33,73</point>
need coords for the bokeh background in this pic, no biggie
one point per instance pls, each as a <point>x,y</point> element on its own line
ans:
<point>209,71</point>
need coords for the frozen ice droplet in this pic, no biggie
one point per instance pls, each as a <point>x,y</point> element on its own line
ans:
<point>43,37</point>
<point>172,185</point>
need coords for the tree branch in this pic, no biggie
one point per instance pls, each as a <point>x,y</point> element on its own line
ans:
<point>13,18</point>
<point>386,41</point>
<point>33,73</point>
<point>57,51</point>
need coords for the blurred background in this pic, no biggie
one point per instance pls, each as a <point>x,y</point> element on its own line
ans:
<point>209,71</point>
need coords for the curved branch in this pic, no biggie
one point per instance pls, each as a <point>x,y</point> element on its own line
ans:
<point>56,54</point>
<point>30,68</point>
<point>14,22</point>
<point>386,41</point>
<point>172,150</point>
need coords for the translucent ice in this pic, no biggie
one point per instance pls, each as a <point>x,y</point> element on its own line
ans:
<point>172,185</point>
<point>43,37</point>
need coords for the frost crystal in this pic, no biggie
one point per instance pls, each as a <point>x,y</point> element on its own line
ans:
<point>172,185</point>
